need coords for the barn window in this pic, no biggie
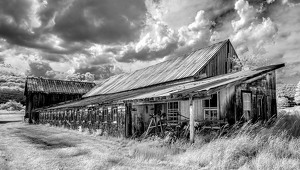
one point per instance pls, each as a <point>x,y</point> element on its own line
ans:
<point>99,115</point>
<point>247,103</point>
<point>173,110</point>
<point>114,114</point>
<point>211,108</point>
<point>105,113</point>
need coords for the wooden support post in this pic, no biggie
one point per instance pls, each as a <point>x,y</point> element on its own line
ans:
<point>192,120</point>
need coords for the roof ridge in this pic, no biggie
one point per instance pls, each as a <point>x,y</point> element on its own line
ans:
<point>183,56</point>
<point>32,77</point>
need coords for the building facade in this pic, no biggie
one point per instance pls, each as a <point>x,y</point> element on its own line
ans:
<point>205,86</point>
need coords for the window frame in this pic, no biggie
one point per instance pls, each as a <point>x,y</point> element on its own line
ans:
<point>173,110</point>
<point>247,117</point>
<point>210,109</point>
<point>105,114</point>
<point>114,114</point>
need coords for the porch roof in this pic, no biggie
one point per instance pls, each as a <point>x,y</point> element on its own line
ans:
<point>173,91</point>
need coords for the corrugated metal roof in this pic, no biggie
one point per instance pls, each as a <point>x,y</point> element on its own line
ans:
<point>34,84</point>
<point>167,90</point>
<point>207,84</point>
<point>174,69</point>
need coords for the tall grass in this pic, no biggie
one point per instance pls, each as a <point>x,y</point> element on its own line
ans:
<point>253,146</point>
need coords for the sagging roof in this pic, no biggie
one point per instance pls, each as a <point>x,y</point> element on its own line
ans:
<point>174,90</point>
<point>37,84</point>
<point>170,70</point>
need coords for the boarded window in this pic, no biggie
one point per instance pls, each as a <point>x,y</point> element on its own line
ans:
<point>247,103</point>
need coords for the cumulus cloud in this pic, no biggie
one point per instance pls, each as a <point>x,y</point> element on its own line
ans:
<point>159,40</point>
<point>59,39</point>
<point>100,72</point>
<point>247,15</point>
<point>251,34</point>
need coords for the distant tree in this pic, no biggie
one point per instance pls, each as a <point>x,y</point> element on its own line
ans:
<point>11,105</point>
<point>11,93</point>
<point>89,77</point>
<point>297,94</point>
<point>282,102</point>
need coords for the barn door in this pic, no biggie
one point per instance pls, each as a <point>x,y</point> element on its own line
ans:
<point>247,103</point>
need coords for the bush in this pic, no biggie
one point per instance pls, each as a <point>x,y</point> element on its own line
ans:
<point>297,94</point>
<point>282,102</point>
<point>12,105</point>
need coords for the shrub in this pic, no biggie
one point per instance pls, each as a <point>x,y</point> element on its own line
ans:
<point>282,102</point>
<point>11,105</point>
<point>297,94</point>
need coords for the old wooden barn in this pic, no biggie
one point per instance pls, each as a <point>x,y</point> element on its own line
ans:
<point>42,92</point>
<point>204,86</point>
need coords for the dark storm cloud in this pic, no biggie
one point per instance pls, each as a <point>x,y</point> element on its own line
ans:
<point>75,23</point>
<point>40,69</point>
<point>20,26</point>
<point>1,59</point>
<point>103,22</point>
<point>54,57</point>
<point>100,60</point>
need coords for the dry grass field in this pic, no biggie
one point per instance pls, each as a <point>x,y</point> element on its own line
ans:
<point>10,116</point>
<point>24,146</point>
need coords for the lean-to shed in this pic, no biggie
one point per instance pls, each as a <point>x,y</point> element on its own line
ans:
<point>41,92</point>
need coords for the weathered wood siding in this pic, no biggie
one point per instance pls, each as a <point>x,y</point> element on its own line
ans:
<point>38,100</point>
<point>263,92</point>
<point>227,105</point>
<point>92,119</point>
<point>221,63</point>
<point>197,107</point>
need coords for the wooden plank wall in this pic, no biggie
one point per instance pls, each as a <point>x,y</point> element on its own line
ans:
<point>91,119</point>
<point>221,63</point>
<point>227,100</point>
<point>185,109</point>
<point>264,88</point>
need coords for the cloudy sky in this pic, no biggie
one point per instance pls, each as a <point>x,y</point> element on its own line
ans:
<point>58,38</point>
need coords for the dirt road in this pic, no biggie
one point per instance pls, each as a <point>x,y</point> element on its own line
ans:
<point>24,146</point>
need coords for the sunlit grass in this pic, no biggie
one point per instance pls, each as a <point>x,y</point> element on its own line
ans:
<point>253,146</point>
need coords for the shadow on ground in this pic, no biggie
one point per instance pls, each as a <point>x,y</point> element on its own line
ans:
<point>45,143</point>
<point>4,122</point>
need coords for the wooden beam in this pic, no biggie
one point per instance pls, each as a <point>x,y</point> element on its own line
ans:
<point>192,120</point>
